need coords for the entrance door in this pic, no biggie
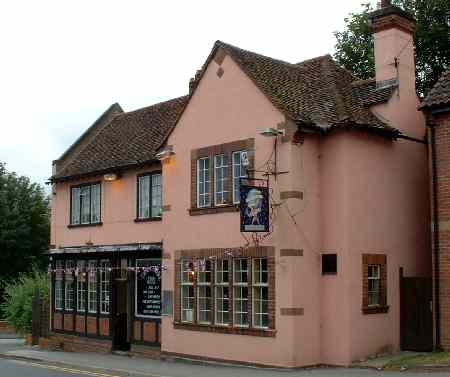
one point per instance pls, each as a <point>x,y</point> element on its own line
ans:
<point>120,314</point>
<point>416,318</point>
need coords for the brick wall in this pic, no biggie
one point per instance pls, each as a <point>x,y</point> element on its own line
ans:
<point>442,141</point>
<point>73,343</point>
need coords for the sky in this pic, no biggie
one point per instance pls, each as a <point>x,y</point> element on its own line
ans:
<point>62,63</point>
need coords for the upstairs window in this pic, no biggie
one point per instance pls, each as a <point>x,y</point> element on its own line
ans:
<point>239,171</point>
<point>85,204</point>
<point>203,182</point>
<point>150,196</point>
<point>221,178</point>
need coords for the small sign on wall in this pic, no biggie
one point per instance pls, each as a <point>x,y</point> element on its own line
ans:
<point>254,208</point>
<point>148,288</point>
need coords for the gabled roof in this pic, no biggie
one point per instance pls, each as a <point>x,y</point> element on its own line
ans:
<point>439,95</point>
<point>315,92</point>
<point>130,139</point>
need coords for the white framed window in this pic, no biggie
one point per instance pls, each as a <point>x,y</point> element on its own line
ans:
<point>222,293</point>
<point>221,177</point>
<point>203,182</point>
<point>105,275</point>
<point>187,291</point>
<point>239,171</point>
<point>59,304</point>
<point>374,277</point>
<point>150,196</point>
<point>204,294</point>
<point>240,290</point>
<point>69,286</point>
<point>260,293</point>
<point>85,204</point>
<point>81,286</point>
<point>92,287</point>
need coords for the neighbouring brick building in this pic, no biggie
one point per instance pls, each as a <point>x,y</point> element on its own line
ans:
<point>436,106</point>
<point>148,254</point>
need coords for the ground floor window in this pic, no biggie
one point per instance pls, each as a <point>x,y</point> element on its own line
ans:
<point>59,291</point>
<point>105,275</point>
<point>92,287</point>
<point>81,286</point>
<point>225,292</point>
<point>69,285</point>
<point>374,283</point>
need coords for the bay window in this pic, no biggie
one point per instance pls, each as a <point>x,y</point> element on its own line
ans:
<point>85,204</point>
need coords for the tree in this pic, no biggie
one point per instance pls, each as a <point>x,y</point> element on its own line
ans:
<point>355,45</point>
<point>24,225</point>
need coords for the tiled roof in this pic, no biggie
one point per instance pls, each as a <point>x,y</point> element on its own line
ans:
<point>315,92</point>
<point>369,93</point>
<point>130,139</point>
<point>440,93</point>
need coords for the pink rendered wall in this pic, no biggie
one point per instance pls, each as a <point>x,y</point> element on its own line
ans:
<point>222,110</point>
<point>118,214</point>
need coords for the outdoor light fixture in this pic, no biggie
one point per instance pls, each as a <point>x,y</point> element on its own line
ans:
<point>271,132</point>
<point>110,177</point>
<point>165,153</point>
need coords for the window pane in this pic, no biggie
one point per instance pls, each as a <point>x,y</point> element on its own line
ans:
<point>81,286</point>
<point>239,171</point>
<point>187,303</point>
<point>222,271</point>
<point>75,219</point>
<point>221,179</point>
<point>260,272</point>
<point>240,271</point>
<point>85,193</point>
<point>204,182</point>
<point>156,195</point>
<point>92,287</point>
<point>95,203</point>
<point>204,271</point>
<point>261,306</point>
<point>241,306</point>
<point>222,305</point>
<point>204,304</point>
<point>69,286</point>
<point>144,197</point>
<point>104,286</point>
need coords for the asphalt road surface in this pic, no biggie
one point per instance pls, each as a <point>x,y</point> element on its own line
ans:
<point>16,368</point>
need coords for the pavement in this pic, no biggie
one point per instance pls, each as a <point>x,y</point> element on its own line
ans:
<point>19,360</point>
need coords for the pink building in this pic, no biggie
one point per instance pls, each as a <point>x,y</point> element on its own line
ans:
<point>147,252</point>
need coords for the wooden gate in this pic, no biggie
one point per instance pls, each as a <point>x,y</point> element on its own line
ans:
<point>416,318</point>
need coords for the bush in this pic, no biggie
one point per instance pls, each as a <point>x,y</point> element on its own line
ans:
<point>18,299</point>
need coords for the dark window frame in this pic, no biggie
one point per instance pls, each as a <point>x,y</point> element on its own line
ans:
<point>150,218</point>
<point>327,264</point>
<point>90,184</point>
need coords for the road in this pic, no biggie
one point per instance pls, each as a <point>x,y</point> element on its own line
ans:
<point>16,368</point>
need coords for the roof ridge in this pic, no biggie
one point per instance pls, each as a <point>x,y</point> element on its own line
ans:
<point>310,60</point>
<point>364,81</point>
<point>165,102</point>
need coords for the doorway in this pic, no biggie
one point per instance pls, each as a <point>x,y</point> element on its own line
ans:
<point>121,339</point>
<point>416,318</point>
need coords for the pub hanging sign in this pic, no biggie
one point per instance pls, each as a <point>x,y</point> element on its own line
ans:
<point>254,207</point>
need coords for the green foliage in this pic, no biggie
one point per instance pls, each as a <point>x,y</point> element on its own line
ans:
<point>24,225</point>
<point>18,295</point>
<point>354,45</point>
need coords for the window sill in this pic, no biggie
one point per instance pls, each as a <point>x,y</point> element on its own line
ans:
<point>147,219</point>
<point>83,225</point>
<point>375,309</point>
<point>212,210</point>
<point>222,329</point>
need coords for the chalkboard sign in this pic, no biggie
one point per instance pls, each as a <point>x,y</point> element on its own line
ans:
<point>148,287</point>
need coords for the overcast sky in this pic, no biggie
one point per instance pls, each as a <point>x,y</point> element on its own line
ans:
<point>63,62</point>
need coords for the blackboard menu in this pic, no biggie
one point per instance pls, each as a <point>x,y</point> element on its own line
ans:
<point>148,288</point>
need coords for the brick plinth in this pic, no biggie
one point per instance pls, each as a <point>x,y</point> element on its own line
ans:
<point>72,343</point>
<point>146,351</point>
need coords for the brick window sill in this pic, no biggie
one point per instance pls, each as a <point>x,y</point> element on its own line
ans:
<point>375,309</point>
<point>148,219</point>
<point>268,333</point>
<point>83,225</point>
<point>212,210</point>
